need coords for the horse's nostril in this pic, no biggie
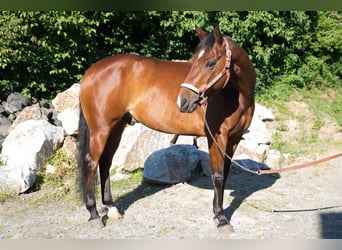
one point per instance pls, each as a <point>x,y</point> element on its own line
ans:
<point>183,104</point>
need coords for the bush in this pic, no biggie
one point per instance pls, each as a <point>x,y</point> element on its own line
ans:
<point>44,52</point>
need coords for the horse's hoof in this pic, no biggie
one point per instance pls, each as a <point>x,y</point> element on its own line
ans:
<point>96,223</point>
<point>224,224</point>
<point>113,213</point>
<point>226,228</point>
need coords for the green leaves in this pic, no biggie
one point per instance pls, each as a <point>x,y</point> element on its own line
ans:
<point>43,52</point>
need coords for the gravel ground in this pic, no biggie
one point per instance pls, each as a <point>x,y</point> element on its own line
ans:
<point>303,204</point>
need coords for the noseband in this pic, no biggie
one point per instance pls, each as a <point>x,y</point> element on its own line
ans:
<point>225,71</point>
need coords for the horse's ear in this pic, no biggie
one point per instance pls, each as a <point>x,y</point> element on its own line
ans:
<point>201,33</point>
<point>217,34</point>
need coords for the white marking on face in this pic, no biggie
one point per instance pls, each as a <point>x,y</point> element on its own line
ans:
<point>201,53</point>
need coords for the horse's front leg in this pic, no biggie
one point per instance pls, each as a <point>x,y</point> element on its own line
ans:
<point>219,172</point>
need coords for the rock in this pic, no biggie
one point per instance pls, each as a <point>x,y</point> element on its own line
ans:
<point>30,143</point>
<point>255,142</point>
<point>50,169</point>
<point>2,139</point>
<point>249,164</point>
<point>263,113</point>
<point>69,118</point>
<point>53,118</point>
<point>69,147</point>
<point>118,177</point>
<point>16,180</point>
<point>12,117</point>
<point>201,142</point>
<point>205,162</point>
<point>2,110</point>
<point>258,132</point>
<point>274,159</point>
<point>67,99</point>
<point>16,102</point>
<point>5,124</point>
<point>137,143</point>
<point>28,113</point>
<point>171,165</point>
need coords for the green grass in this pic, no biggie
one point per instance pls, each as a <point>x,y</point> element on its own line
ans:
<point>323,104</point>
<point>4,195</point>
<point>121,187</point>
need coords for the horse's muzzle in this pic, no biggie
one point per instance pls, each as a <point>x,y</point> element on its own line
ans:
<point>187,104</point>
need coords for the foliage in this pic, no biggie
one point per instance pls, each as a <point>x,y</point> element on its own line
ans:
<point>64,174</point>
<point>4,195</point>
<point>44,52</point>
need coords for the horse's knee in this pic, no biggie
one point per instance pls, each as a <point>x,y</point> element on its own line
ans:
<point>217,178</point>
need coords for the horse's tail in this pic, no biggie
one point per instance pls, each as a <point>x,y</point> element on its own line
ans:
<point>83,150</point>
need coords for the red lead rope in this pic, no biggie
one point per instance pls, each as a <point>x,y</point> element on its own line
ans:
<point>299,166</point>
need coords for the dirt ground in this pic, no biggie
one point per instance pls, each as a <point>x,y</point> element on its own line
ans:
<point>305,204</point>
<point>302,204</point>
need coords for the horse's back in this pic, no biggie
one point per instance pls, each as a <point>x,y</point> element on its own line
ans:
<point>134,67</point>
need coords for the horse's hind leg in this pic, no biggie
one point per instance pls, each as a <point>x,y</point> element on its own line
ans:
<point>97,141</point>
<point>106,161</point>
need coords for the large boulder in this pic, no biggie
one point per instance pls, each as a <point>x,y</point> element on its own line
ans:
<point>69,118</point>
<point>67,99</point>
<point>30,143</point>
<point>138,142</point>
<point>33,112</point>
<point>66,104</point>
<point>171,165</point>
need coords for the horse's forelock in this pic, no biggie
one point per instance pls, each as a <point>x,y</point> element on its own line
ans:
<point>206,43</point>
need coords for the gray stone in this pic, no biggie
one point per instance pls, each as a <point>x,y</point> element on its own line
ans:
<point>16,102</point>
<point>16,180</point>
<point>5,124</point>
<point>69,118</point>
<point>249,164</point>
<point>274,159</point>
<point>2,110</point>
<point>67,99</point>
<point>70,147</point>
<point>30,143</point>
<point>263,113</point>
<point>171,165</point>
<point>137,143</point>
<point>28,113</point>
<point>205,162</point>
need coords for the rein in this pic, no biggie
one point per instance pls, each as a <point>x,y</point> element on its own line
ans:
<point>225,71</point>
<point>269,171</point>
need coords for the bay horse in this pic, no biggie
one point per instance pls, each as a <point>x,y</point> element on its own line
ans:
<point>216,86</point>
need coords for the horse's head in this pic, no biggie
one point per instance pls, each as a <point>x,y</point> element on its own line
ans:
<point>209,72</point>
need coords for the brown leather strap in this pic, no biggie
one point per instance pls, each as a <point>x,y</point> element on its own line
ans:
<point>299,166</point>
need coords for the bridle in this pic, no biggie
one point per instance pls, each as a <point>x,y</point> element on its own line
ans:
<point>224,71</point>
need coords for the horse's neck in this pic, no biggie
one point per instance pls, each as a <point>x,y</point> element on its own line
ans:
<point>244,78</point>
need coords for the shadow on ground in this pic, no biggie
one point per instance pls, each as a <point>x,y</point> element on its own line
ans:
<point>331,225</point>
<point>242,184</point>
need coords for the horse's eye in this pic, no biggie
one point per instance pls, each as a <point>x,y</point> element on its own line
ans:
<point>210,64</point>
